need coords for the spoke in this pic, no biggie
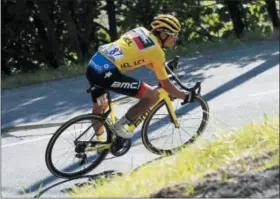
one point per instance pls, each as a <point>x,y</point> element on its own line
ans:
<point>180,135</point>
<point>192,112</point>
<point>86,161</point>
<point>165,128</point>
<point>188,127</point>
<point>75,163</point>
<point>63,157</point>
<point>60,149</point>
<point>81,128</point>
<point>166,133</point>
<point>86,133</point>
<point>186,132</point>
<point>70,133</point>
<point>75,130</point>
<point>161,118</point>
<point>67,140</point>
<point>83,133</point>
<point>190,118</point>
<point>172,135</point>
<point>157,138</point>
<point>161,122</point>
<point>166,140</point>
<point>160,114</point>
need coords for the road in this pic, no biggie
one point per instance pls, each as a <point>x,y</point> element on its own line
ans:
<point>240,84</point>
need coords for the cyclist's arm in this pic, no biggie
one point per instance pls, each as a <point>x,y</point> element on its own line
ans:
<point>171,89</point>
<point>159,68</point>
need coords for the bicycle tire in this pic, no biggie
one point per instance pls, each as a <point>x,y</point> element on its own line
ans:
<point>48,153</point>
<point>155,150</point>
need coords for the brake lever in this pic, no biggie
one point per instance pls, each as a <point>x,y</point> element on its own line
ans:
<point>193,92</point>
<point>173,64</point>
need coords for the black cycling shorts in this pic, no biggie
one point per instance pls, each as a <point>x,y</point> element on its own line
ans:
<point>106,76</point>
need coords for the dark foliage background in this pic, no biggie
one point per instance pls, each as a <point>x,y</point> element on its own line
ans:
<point>40,34</point>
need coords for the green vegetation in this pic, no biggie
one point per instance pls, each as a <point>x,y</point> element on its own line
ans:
<point>74,70</point>
<point>229,151</point>
<point>24,79</point>
<point>50,34</point>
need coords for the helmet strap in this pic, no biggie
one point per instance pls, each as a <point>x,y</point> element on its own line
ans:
<point>163,41</point>
<point>157,34</point>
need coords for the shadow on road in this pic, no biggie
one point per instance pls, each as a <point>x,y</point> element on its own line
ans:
<point>58,99</point>
<point>50,179</point>
<point>91,178</point>
<point>270,62</point>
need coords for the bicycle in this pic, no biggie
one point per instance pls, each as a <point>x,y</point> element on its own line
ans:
<point>84,148</point>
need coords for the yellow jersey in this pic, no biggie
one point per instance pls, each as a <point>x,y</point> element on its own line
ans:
<point>137,47</point>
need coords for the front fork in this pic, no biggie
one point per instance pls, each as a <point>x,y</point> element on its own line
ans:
<point>170,108</point>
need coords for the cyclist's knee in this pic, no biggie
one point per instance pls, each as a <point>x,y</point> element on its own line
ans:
<point>151,94</point>
<point>155,95</point>
<point>99,109</point>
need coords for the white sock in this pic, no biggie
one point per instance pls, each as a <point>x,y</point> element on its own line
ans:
<point>121,122</point>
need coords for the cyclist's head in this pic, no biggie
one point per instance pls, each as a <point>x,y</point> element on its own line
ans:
<point>166,27</point>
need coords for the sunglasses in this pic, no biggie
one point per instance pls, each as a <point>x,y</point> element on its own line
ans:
<point>173,34</point>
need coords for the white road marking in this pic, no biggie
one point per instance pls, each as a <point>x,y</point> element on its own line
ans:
<point>272,91</point>
<point>19,143</point>
<point>247,99</point>
<point>28,141</point>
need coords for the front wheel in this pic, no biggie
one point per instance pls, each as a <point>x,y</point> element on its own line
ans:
<point>159,134</point>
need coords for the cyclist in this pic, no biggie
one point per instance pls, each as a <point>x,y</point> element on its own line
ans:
<point>137,47</point>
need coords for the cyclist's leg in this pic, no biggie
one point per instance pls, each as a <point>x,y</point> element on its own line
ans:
<point>99,106</point>
<point>103,73</point>
<point>100,103</point>
<point>148,96</point>
<point>132,87</point>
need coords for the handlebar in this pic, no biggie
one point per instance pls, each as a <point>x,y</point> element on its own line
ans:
<point>173,64</point>
<point>195,90</point>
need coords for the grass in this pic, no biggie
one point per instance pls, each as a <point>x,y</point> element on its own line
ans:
<point>193,163</point>
<point>62,72</point>
<point>26,79</point>
<point>26,195</point>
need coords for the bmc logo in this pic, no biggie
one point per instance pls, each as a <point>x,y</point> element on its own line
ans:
<point>137,121</point>
<point>125,85</point>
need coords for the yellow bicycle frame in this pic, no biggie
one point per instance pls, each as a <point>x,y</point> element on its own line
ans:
<point>132,126</point>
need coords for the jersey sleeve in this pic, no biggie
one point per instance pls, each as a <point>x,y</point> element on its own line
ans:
<point>159,66</point>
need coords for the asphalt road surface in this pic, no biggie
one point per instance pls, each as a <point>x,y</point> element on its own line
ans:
<point>240,84</point>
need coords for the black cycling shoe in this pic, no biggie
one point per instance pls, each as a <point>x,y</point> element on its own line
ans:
<point>120,146</point>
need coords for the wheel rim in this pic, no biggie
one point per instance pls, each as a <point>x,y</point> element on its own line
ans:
<point>163,137</point>
<point>61,157</point>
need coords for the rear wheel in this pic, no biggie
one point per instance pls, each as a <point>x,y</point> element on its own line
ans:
<point>159,134</point>
<point>65,154</point>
